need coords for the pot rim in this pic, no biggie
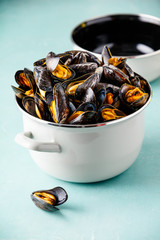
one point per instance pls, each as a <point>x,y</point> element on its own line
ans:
<point>113,122</point>
<point>146,17</point>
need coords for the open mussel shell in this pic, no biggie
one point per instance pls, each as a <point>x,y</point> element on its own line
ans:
<point>30,76</point>
<point>25,79</point>
<point>21,79</point>
<point>81,117</point>
<point>52,61</point>
<point>132,97</point>
<point>84,114</point>
<point>107,58</point>
<point>58,71</point>
<point>108,112</point>
<point>49,199</point>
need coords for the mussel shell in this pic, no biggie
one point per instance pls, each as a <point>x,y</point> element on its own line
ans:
<point>88,96</point>
<point>61,80</point>
<point>43,79</point>
<point>90,82</point>
<point>66,84</point>
<point>127,70</point>
<point>83,68</point>
<point>114,75</point>
<point>42,108</point>
<point>92,58</point>
<point>72,107</point>
<point>29,75</point>
<point>29,105</point>
<point>87,106</point>
<point>118,113</point>
<point>82,57</point>
<point>21,79</point>
<point>19,92</point>
<point>106,55</point>
<point>143,83</point>
<point>61,111</point>
<point>135,104</point>
<point>100,93</point>
<point>136,81</point>
<point>52,61</point>
<point>87,117</point>
<point>59,194</point>
<point>41,62</point>
<point>49,97</point>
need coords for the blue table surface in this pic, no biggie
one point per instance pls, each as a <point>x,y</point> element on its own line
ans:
<point>126,207</point>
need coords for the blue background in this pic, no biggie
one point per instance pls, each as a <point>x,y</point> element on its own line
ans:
<point>126,207</point>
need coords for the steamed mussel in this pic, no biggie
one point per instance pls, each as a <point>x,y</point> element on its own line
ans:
<point>48,199</point>
<point>75,87</point>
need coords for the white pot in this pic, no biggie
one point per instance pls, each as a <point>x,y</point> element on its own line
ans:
<point>87,153</point>
<point>145,27</point>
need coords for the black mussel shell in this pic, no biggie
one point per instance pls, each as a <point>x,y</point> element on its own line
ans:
<point>22,80</point>
<point>29,75</point>
<point>81,117</point>
<point>90,82</point>
<point>114,75</point>
<point>132,97</point>
<point>29,105</point>
<point>72,81</point>
<point>19,92</point>
<point>92,58</point>
<point>127,70</point>
<point>100,93</point>
<point>108,112</point>
<point>49,97</point>
<point>87,106</point>
<point>72,107</point>
<point>88,96</point>
<point>59,107</point>
<point>136,81</point>
<point>53,64</point>
<point>83,68</point>
<point>143,83</point>
<point>41,62</point>
<point>49,199</point>
<point>77,57</point>
<point>106,55</point>
<point>42,108</point>
<point>43,79</point>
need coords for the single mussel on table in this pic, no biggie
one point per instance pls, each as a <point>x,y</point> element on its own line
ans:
<point>75,87</point>
<point>48,200</point>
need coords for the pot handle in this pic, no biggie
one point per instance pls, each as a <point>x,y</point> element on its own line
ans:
<point>26,140</point>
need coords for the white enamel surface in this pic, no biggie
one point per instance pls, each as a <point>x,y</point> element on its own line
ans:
<point>87,154</point>
<point>146,65</point>
<point>25,140</point>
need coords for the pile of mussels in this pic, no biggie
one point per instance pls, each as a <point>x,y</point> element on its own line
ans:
<point>75,87</point>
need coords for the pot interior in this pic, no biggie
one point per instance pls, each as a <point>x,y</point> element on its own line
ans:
<point>125,35</point>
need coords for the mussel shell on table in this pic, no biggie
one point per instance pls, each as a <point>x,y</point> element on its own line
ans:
<point>48,199</point>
